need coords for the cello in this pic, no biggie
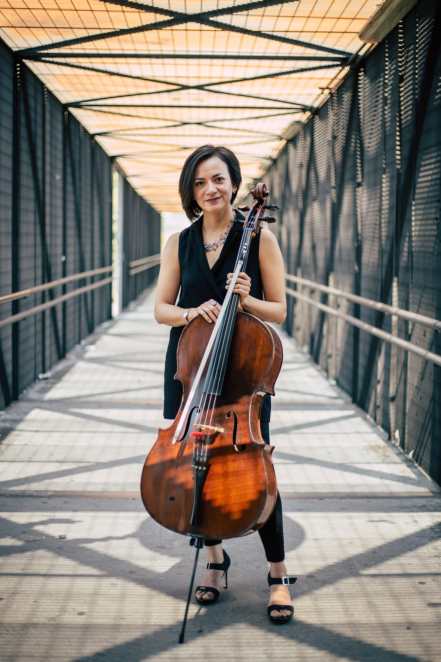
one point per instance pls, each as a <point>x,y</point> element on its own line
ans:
<point>210,474</point>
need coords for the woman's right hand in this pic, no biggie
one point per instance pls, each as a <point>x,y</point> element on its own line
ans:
<point>209,310</point>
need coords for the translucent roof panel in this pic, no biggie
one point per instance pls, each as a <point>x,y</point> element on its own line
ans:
<point>154,80</point>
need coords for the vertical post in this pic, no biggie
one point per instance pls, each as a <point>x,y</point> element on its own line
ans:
<point>435,447</point>
<point>118,244</point>
<point>93,262</point>
<point>356,313</point>
<point>15,230</point>
<point>107,257</point>
<point>64,234</point>
<point>393,428</point>
<point>357,234</point>
<point>330,333</point>
<point>43,220</point>
<point>400,432</point>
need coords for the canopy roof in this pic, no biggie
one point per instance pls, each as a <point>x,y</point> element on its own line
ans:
<point>153,80</point>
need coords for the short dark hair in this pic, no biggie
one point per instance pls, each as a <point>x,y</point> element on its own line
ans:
<point>186,180</point>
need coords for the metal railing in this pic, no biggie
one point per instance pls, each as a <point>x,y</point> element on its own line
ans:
<point>53,302</point>
<point>53,283</point>
<point>370,303</point>
<point>143,263</point>
<point>136,266</point>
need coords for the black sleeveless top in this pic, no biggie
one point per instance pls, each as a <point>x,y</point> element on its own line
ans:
<point>200,283</point>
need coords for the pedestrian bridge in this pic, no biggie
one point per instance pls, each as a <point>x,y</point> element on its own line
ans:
<point>335,106</point>
<point>85,573</point>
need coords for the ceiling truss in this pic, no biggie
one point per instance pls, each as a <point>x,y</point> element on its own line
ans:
<point>278,75</point>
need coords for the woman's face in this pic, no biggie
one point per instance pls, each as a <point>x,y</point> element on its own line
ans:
<point>213,188</point>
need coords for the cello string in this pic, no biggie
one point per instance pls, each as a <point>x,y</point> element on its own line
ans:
<point>196,384</point>
<point>212,379</point>
<point>220,345</point>
<point>206,414</point>
<point>206,396</point>
<point>223,348</point>
<point>221,330</point>
<point>220,351</point>
<point>223,351</point>
<point>214,383</point>
<point>208,399</point>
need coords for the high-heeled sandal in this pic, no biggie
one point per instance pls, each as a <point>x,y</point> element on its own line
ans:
<point>280,619</point>
<point>212,589</point>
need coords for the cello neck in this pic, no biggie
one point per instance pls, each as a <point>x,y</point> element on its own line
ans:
<point>218,361</point>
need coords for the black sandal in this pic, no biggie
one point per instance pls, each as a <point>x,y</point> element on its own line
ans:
<point>212,589</point>
<point>280,619</point>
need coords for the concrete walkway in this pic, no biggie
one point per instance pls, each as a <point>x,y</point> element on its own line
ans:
<point>85,575</point>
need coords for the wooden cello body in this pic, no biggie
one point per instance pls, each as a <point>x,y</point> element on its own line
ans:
<point>239,490</point>
<point>210,474</point>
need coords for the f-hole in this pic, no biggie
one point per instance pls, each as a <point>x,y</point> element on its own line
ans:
<point>235,446</point>
<point>188,423</point>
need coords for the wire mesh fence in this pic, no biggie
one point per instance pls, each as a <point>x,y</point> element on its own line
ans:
<point>55,222</point>
<point>140,240</point>
<point>359,190</point>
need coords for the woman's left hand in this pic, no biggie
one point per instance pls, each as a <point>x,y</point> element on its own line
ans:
<point>242,287</point>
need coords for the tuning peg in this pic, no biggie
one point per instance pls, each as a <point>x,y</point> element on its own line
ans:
<point>269,219</point>
<point>271,207</point>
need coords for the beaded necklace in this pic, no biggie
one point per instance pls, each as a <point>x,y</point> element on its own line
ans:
<point>213,245</point>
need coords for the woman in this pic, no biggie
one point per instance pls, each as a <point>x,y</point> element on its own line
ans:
<point>198,263</point>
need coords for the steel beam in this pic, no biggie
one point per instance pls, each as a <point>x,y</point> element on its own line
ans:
<point>84,102</point>
<point>206,87</point>
<point>244,119</point>
<point>188,123</point>
<point>180,106</point>
<point>91,193</point>
<point>435,462</point>
<point>15,235</point>
<point>130,155</point>
<point>139,55</point>
<point>179,18</point>
<point>335,217</point>
<point>39,199</point>
<point>64,233</point>
<point>304,209</point>
<point>43,205</point>
<point>77,215</point>
<point>232,9</point>
<point>114,133</point>
<point>206,18</point>
<point>4,381</point>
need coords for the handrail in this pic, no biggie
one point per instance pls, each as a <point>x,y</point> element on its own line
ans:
<point>49,304</point>
<point>13,296</point>
<point>388,337</point>
<point>53,283</point>
<point>144,263</point>
<point>154,259</point>
<point>370,303</point>
<point>143,260</point>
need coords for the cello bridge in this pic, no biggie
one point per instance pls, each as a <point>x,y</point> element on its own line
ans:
<point>203,430</point>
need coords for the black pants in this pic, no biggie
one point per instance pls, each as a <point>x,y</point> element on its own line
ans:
<point>271,533</point>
